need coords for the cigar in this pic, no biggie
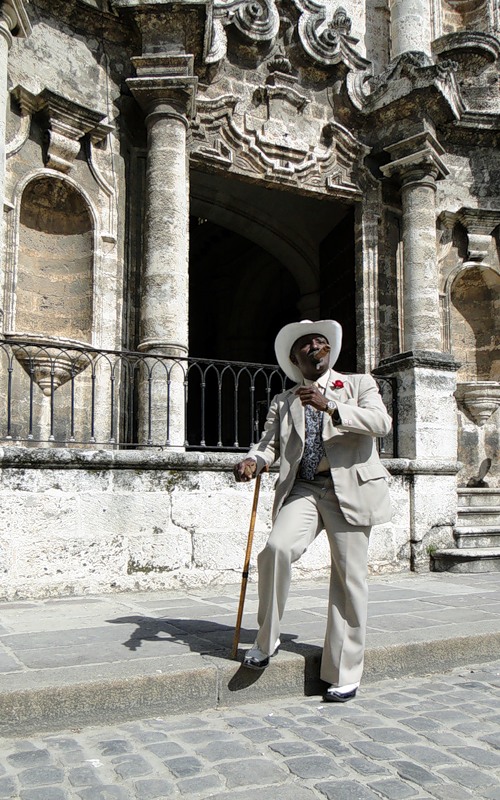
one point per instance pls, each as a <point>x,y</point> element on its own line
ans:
<point>321,353</point>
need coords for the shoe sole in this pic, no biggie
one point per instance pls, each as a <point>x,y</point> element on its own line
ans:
<point>338,698</point>
<point>258,667</point>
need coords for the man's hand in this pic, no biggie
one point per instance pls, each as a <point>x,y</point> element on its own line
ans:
<point>245,470</point>
<point>312,396</point>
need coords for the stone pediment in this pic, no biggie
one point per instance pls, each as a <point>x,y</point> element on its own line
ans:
<point>273,139</point>
<point>66,123</point>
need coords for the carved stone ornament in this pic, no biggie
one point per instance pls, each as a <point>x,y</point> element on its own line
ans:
<point>480,225</point>
<point>411,72</point>
<point>327,39</point>
<point>268,141</point>
<point>50,361</point>
<point>480,398</point>
<point>257,21</point>
<point>66,123</point>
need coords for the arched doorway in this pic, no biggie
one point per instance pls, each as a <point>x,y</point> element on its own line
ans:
<point>261,257</point>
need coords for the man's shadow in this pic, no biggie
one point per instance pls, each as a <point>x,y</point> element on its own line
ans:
<point>215,639</point>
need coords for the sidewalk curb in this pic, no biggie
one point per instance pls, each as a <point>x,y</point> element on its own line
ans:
<point>216,682</point>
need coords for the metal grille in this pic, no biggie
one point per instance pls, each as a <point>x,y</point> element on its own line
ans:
<point>63,394</point>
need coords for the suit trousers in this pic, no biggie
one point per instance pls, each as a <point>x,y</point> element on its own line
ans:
<point>310,507</point>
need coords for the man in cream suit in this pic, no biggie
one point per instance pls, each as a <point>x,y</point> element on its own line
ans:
<point>324,432</point>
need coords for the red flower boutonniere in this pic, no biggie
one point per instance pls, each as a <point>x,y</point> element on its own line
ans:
<point>337,385</point>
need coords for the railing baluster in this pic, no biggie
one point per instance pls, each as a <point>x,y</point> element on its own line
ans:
<point>72,409</point>
<point>202,411</point>
<point>219,411</point>
<point>52,398</point>
<point>9,398</point>
<point>32,380</point>
<point>112,408</point>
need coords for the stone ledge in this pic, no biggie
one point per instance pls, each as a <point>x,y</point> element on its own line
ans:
<point>70,458</point>
<point>417,358</point>
<point>212,681</point>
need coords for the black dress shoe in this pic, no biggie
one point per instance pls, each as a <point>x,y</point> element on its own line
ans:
<point>255,663</point>
<point>339,697</point>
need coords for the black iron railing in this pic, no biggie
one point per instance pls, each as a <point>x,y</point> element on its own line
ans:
<point>65,394</point>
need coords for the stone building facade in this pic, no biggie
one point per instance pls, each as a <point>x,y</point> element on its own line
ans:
<point>180,180</point>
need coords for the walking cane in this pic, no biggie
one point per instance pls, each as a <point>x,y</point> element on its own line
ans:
<point>244,574</point>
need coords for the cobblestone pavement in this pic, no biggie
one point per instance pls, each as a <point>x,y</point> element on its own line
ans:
<point>433,737</point>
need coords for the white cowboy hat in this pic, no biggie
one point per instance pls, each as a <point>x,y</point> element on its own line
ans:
<point>288,335</point>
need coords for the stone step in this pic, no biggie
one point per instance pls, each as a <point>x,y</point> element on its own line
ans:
<point>466,560</point>
<point>478,515</point>
<point>478,497</point>
<point>484,536</point>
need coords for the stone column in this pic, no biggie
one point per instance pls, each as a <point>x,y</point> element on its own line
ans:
<point>13,17</point>
<point>425,376</point>
<point>165,89</point>
<point>417,165</point>
<point>411,27</point>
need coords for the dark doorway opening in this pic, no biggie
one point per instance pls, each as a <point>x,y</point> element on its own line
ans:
<point>260,258</point>
<point>338,287</point>
<point>239,296</point>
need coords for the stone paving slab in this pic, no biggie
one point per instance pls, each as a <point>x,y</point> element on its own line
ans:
<point>120,656</point>
<point>435,737</point>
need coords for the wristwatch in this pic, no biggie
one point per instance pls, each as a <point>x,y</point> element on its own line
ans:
<point>331,407</point>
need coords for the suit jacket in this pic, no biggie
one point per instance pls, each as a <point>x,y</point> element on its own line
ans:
<point>359,477</point>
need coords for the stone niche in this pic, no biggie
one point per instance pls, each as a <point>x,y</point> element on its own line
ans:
<point>475,338</point>
<point>460,15</point>
<point>53,310</point>
<point>54,270</point>
<point>475,325</point>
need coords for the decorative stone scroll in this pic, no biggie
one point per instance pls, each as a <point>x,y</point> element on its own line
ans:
<point>257,20</point>
<point>66,124</point>
<point>328,40</point>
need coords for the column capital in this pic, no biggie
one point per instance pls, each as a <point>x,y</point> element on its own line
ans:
<point>14,20</point>
<point>416,159</point>
<point>165,85</point>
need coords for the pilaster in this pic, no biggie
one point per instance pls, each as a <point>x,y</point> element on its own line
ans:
<point>14,21</point>
<point>427,435</point>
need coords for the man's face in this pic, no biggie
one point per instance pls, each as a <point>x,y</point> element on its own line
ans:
<point>303,355</point>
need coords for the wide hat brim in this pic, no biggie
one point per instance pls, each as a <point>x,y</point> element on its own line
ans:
<point>288,335</point>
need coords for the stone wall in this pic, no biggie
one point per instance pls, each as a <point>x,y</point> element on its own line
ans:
<point>74,522</point>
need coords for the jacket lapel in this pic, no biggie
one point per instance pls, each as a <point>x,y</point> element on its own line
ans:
<point>297,413</point>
